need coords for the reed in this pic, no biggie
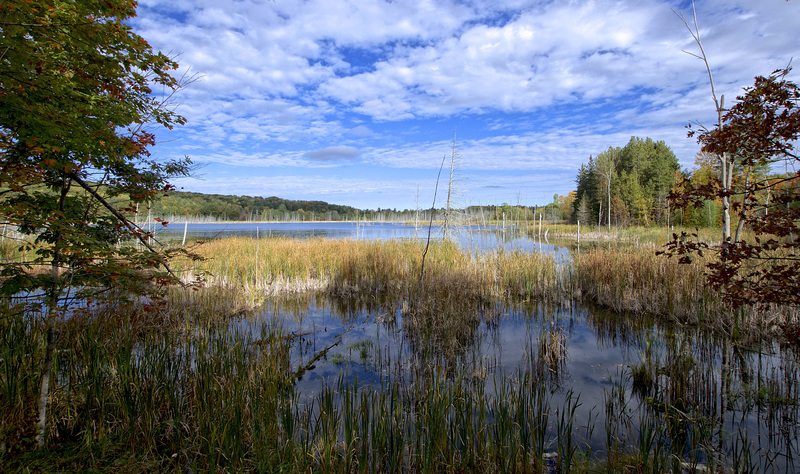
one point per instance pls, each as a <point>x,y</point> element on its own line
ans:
<point>635,280</point>
<point>202,396</point>
<point>441,308</point>
<point>388,268</point>
<point>657,235</point>
<point>206,390</point>
<point>205,381</point>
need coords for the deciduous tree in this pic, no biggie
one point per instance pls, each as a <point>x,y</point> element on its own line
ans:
<point>77,98</point>
<point>762,128</point>
<point>637,177</point>
<point>606,165</point>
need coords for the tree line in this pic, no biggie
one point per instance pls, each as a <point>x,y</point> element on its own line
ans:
<point>247,208</point>
<point>182,204</point>
<point>627,186</point>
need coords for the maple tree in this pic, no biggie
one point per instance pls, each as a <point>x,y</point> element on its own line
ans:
<point>760,130</point>
<point>77,102</point>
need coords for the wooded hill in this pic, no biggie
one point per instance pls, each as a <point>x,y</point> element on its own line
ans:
<point>247,208</point>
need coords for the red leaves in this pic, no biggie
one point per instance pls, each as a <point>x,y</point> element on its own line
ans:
<point>762,125</point>
<point>761,128</point>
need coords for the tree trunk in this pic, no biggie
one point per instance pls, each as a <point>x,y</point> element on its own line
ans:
<point>742,215</point>
<point>44,390</point>
<point>609,201</point>
<point>53,295</point>
<point>727,176</point>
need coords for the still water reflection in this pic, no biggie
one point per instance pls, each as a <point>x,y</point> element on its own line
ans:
<point>624,375</point>
<point>620,373</point>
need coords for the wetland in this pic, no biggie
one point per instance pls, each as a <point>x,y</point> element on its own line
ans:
<point>348,348</point>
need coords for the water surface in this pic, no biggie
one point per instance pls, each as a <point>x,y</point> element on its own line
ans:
<point>740,399</point>
<point>746,397</point>
<point>470,237</point>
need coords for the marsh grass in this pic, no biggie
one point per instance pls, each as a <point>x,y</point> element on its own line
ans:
<point>657,235</point>
<point>10,250</point>
<point>459,290</point>
<point>630,279</point>
<point>205,395</point>
<point>205,382</point>
<point>374,269</point>
<point>441,308</point>
<point>200,384</point>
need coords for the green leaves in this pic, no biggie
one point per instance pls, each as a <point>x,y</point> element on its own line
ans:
<point>76,92</point>
<point>639,177</point>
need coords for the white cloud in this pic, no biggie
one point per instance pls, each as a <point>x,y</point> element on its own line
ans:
<point>539,85</point>
<point>293,186</point>
<point>568,53</point>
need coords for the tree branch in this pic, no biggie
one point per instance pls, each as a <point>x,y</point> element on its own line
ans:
<point>135,230</point>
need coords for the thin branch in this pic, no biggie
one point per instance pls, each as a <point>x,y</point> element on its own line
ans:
<point>430,225</point>
<point>135,230</point>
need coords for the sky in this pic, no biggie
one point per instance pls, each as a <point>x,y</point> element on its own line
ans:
<point>357,102</point>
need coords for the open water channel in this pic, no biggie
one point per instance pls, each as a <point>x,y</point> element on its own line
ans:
<point>739,404</point>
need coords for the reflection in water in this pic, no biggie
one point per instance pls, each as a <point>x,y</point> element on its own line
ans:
<point>639,384</point>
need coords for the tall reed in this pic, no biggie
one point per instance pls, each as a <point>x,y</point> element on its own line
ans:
<point>200,384</point>
<point>373,267</point>
<point>636,280</point>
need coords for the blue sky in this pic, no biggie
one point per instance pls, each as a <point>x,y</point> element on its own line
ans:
<point>356,102</point>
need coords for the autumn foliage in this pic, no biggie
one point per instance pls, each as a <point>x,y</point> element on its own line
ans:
<point>80,94</point>
<point>760,131</point>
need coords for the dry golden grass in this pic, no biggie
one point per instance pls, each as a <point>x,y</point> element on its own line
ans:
<point>657,235</point>
<point>392,268</point>
<point>636,280</point>
<point>459,289</point>
<point>442,306</point>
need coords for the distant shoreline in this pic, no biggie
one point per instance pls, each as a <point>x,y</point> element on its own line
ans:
<point>287,222</point>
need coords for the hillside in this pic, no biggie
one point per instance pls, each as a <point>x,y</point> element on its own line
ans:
<point>243,208</point>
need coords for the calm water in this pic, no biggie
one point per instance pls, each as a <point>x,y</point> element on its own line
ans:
<point>580,354</point>
<point>469,237</point>
<point>746,396</point>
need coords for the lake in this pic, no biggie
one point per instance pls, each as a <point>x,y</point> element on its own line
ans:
<point>470,237</point>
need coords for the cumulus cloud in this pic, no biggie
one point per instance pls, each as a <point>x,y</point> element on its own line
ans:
<point>538,85</point>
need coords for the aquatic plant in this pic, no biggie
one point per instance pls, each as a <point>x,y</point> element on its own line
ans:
<point>636,280</point>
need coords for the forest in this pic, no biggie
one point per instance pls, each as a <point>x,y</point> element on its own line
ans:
<point>178,205</point>
<point>247,208</point>
<point>641,183</point>
<point>633,182</point>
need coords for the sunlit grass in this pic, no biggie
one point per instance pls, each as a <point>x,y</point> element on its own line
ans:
<point>184,387</point>
<point>634,279</point>
<point>382,269</point>
<point>656,235</point>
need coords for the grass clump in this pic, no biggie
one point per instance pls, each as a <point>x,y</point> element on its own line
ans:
<point>441,305</point>
<point>202,384</point>
<point>374,269</point>
<point>630,279</point>
<point>209,393</point>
